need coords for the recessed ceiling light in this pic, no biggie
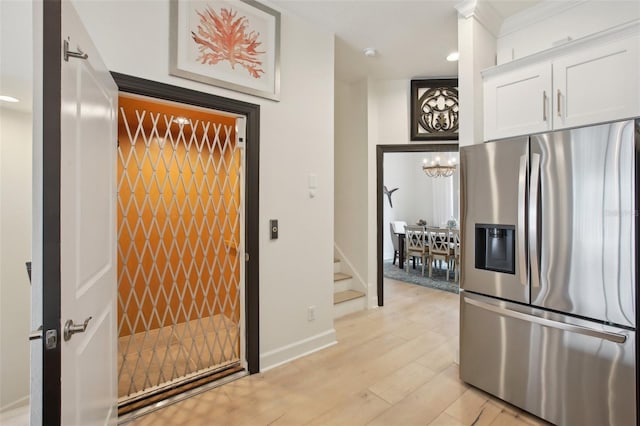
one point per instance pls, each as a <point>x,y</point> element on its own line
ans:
<point>453,56</point>
<point>8,99</point>
<point>369,51</point>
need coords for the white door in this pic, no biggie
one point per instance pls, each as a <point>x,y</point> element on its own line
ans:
<point>88,230</point>
<point>87,392</point>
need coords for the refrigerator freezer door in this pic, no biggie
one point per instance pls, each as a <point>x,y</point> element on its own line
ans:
<point>565,370</point>
<point>584,260</point>
<point>493,188</point>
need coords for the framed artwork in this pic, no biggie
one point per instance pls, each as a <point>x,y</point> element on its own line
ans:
<point>233,44</point>
<point>434,109</point>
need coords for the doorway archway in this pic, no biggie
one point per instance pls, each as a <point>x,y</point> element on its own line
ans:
<point>380,151</point>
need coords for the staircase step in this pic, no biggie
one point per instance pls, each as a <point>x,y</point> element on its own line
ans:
<point>339,276</point>
<point>342,285</point>
<point>343,296</point>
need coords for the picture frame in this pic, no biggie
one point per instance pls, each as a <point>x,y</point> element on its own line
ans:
<point>233,44</point>
<point>434,109</point>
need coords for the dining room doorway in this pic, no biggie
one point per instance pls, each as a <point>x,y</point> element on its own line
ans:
<point>408,158</point>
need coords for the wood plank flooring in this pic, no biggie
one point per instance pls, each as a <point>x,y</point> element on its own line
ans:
<point>392,366</point>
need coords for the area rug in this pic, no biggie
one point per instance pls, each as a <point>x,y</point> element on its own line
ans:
<point>414,276</point>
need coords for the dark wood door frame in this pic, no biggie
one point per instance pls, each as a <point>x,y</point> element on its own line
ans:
<point>51,168</point>
<point>380,151</point>
<point>153,89</point>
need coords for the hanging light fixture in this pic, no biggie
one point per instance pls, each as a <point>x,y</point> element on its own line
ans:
<point>435,169</point>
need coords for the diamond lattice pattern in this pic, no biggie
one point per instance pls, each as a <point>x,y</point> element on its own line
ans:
<point>178,244</point>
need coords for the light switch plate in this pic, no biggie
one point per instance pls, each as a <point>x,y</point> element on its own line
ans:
<point>273,226</point>
<point>313,181</point>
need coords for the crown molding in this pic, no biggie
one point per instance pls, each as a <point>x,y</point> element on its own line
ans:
<point>483,12</point>
<point>628,29</point>
<point>535,14</point>
<point>466,8</point>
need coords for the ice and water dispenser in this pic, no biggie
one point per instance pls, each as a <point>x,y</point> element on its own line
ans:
<point>495,248</point>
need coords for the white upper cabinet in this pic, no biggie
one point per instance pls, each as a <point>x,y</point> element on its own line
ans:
<point>518,102</point>
<point>597,85</point>
<point>568,86</point>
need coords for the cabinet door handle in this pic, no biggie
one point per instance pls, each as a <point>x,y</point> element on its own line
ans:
<point>544,105</point>
<point>559,113</point>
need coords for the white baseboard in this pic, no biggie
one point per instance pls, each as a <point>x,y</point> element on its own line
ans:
<point>24,401</point>
<point>288,353</point>
<point>373,295</point>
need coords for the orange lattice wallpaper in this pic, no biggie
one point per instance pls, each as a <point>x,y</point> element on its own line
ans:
<point>178,215</point>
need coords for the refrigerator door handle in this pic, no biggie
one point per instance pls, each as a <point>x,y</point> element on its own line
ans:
<point>533,219</point>
<point>606,335</point>
<point>522,202</point>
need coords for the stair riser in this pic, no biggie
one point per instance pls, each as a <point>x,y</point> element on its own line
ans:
<point>342,285</point>
<point>337,267</point>
<point>349,307</point>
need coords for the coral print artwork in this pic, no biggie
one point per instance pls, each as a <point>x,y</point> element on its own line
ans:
<point>226,36</point>
<point>234,44</point>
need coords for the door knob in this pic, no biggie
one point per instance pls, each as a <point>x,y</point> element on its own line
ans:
<point>70,328</point>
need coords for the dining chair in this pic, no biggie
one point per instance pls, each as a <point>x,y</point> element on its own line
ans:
<point>417,245</point>
<point>396,227</point>
<point>439,248</point>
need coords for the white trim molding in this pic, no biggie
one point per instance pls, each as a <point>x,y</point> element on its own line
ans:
<point>535,14</point>
<point>304,347</point>
<point>466,8</point>
<point>14,405</point>
<point>483,12</point>
<point>627,29</point>
<point>351,269</point>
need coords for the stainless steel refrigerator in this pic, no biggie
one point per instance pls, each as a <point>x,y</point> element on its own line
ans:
<point>549,272</point>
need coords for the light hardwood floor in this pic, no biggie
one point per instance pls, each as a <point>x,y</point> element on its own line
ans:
<point>392,366</point>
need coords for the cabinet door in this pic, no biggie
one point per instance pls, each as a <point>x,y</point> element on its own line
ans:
<point>597,85</point>
<point>518,102</point>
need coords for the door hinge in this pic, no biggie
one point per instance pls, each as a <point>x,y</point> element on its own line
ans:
<point>246,257</point>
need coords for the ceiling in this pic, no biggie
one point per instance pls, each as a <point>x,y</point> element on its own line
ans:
<point>16,53</point>
<point>412,38</point>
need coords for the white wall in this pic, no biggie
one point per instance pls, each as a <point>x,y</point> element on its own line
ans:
<point>538,28</point>
<point>296,140</point>
<point>390,117</point>
<point>351,175</point>
<point>15,250</point>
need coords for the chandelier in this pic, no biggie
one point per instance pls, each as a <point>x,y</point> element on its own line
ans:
<point>435,169</point>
